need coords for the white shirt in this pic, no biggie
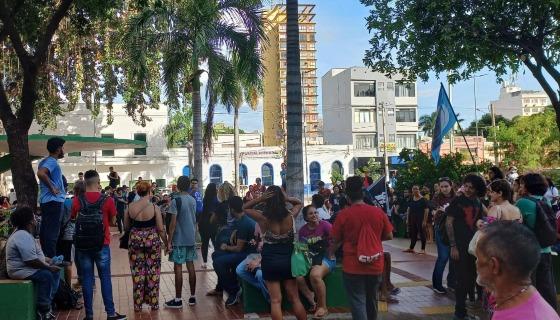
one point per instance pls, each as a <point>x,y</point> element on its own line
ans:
<point>323,213</point>
<point>551,193</point>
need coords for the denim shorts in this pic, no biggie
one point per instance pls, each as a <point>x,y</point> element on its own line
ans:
<point>331,264</point>
<point>183,254</point>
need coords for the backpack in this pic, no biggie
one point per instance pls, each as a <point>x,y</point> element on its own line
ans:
<point>90,232</point>
<point>65,298</point>
<point>545,223</point>
<point>366,246</point>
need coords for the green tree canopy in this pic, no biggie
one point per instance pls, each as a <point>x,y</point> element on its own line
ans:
<point>415,37</point>
<point>485,123</point>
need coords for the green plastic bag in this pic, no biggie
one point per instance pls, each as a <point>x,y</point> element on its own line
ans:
<point>300,260</point>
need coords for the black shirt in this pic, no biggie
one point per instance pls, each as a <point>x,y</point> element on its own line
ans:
<point>465,212</point>
<point>417,208</point>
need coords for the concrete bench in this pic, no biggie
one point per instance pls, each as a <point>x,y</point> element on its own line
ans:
<point>17,300</point>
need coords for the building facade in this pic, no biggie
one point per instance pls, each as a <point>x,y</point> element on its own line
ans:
<point>356,104</point>
<point>274,60</point>
<point>515,102</point>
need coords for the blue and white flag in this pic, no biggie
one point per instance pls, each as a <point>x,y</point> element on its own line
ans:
<point>445,121</point>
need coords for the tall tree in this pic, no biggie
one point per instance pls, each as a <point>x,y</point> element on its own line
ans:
<point>294,123</point>
<point>485,122</point>
<point>196,37</point>
<point>54,53</point>
<point>427,123</point>
<point>466,36</point>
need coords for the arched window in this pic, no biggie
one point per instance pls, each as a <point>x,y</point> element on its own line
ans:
<point>243,175</point>
<point>337,168</point>
<point>314,174</point>
<point>267,174</point>
<point>187,171</point>
<point>216,174</point>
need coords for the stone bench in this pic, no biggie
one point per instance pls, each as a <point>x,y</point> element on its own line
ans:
<point>17,300</point>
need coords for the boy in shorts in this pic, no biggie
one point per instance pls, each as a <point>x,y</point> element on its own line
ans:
<point>181,232</point>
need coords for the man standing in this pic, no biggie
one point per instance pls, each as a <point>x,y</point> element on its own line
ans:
<point>52,195</point>
<point>80,176</point>
<point>114,179</point>
<point>462,214</point>
<point>181,233</point>
<point>361,277</point>
<point>12,196</point>
<point>120,201</point>
<point>93,202</point>
<point>196,195</point>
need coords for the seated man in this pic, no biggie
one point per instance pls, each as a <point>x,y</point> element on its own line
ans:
<point>230,253</point>
<point>250,268</point>
<point>25,261</point>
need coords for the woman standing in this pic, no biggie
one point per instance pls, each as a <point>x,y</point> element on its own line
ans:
<point>143,219</point>
<point>442,200</point>
<point>316,233</point>
<point>417,219</point>
<point>205,227</point>
<point>495,173</point>
<point>501,196</point>
<point>334,199</point>
<point>278,227</point>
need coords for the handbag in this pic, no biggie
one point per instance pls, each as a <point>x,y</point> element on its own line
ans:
<point>300,262</point>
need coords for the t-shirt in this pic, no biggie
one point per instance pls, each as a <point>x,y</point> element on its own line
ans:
<point>465,213</point>
<point>535,308</point>
<point>403,205</point>
<point>528,210</point>
<point>21,247</point>
<point>323,213</point>
<point>55,175</point>
<point>186,221</point>
<point>121,205</point>
<point>347,229</point>
<point>551,193</point>
<point>245,230</point>
<point>318,240</point>
<point>334,199</point>
<point>417,208</point>
<point>199,201</point>
<point>109,211</point>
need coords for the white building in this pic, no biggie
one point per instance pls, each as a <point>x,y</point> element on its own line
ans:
<point>516,102</point>
<point>353,99</point>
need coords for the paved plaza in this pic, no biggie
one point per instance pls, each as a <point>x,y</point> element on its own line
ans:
<point>412,273</point>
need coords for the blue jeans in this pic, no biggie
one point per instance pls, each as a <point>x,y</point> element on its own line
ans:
<point>225,264</point>
<point>443,256</point>
<point>46,283</point>
<point>51,214</point>
<point>102,259</point>
<point>254,278</point>
<point>361,290</point>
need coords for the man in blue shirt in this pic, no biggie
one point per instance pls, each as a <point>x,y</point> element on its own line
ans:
<point>52,195</point>
<point>196,195</point>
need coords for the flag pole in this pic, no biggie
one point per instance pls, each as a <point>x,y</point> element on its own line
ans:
<point>463,134</point>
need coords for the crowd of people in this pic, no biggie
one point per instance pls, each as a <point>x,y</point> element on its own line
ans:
<point>492,232</point>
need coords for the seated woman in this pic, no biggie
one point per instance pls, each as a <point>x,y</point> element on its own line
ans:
<point>317,234</point>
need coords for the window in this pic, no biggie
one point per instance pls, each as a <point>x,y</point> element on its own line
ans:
<point>108,153</point>
<point>74,154</point>
<point>302,37</point>
<point>140,151</point>
<point>337,167</point>
<point>243,175</point>
<point>216,174</point>
<point>406,141</point>
<point>365,141</point>
<point>390,138</point>
<point>314,174</point>
<point>406,115</point>
<point>363,89</point>
<point>364,116</point>
<point>405,90</point>
<point>187,171</point>
<point>283,45</point>
<point>161,183</point>
<point>267,174</point>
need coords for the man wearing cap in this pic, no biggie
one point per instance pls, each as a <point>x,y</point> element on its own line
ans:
<point>52,195</point>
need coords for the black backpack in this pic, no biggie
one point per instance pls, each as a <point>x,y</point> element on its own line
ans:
<point>90,232</point>
<point>545,223</point>
<point>66,298</point>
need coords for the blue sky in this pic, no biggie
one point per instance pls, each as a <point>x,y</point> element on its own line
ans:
<point>342,39</point>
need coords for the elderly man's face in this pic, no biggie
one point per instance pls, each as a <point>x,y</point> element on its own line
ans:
<point>485,269</point>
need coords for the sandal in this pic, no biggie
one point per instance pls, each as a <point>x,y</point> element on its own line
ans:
<point>320,316</point>
<point>409,251</point>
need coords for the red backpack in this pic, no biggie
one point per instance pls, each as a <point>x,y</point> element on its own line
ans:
<point>368,250</point>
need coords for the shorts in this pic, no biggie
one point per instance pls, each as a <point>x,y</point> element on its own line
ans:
<point>183,254</point>
<point>331,264</point>
<point>64,248</point>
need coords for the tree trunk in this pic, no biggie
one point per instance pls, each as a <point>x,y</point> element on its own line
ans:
<point>197,131</point>
<point>294,174</point>
<point>236,147</point>
<point>23,176</point>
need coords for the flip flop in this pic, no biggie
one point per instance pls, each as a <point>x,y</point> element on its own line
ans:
<point>324,315</point>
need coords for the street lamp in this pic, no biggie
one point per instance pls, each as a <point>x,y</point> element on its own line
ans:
<point>476,108</point>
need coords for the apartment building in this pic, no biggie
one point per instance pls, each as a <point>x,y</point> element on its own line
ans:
<point>355,101</point>
<point>274,60</point>
<point>514,101</point>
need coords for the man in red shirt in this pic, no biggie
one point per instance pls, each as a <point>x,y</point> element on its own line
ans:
<point>101,258</point>
<point>361,279</point>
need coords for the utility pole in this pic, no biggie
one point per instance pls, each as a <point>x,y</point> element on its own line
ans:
<point>236,148</point>
<point>385,156</point>
<point>496,157</point>
<point>304,123</point>
<point>452,135</point>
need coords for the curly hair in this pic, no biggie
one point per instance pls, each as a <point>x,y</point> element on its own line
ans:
<point>477,182</point>
<point>22,217</point>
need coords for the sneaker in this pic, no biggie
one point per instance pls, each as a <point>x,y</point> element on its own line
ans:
<point>395,291</point>
<point>117,317</point>
<point>174,304</point>
<point>233,299</point>
<point>45,315</point>
<point>439,290</point>
<point>192,301</point>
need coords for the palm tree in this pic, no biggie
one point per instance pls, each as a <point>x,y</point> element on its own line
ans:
<point>294,150</point>
<point>222,36</point>
<point>427,122</point>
